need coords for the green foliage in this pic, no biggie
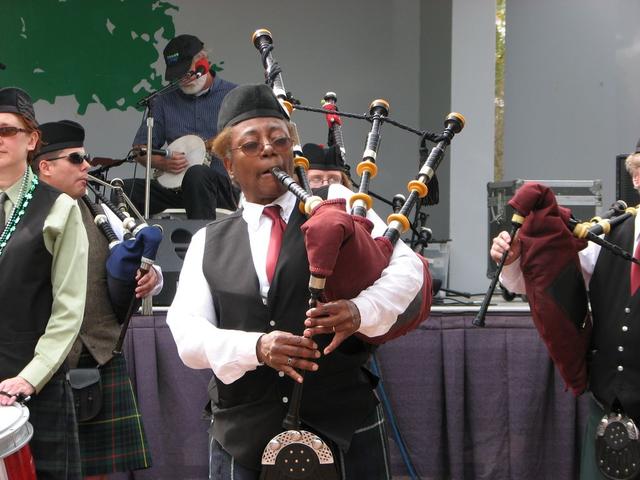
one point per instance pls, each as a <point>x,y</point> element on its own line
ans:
<point>498,161</point>
<point>99,51</point>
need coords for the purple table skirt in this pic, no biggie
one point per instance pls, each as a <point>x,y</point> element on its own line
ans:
<point>470,403</point>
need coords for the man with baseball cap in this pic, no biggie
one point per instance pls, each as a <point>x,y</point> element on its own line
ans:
<point>43,273</point>
<point>192,109</point>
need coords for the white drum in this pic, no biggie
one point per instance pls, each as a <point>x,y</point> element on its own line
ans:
<point>16,461</point>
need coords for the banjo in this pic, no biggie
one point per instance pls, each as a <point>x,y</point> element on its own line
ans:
<point>196,154</point>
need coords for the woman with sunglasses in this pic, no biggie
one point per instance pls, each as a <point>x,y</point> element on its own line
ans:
<point>43,273</point>
<point>241,310</point>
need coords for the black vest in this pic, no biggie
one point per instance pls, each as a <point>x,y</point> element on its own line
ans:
<point>615,361</point>
<point>249,412</point>
<point>25,285</point>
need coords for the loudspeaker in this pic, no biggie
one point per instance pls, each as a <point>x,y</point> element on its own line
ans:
<point>175,241</point>
<point>624,185</point>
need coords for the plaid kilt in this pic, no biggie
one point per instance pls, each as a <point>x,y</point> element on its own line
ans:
<point>113,441</point>
<point>54,444</point>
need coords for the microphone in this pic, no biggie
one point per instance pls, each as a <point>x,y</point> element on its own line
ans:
<point>201,68</point>
<point>164,152</point>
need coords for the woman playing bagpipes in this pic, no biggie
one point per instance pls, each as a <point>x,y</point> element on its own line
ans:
<point>241,309</point>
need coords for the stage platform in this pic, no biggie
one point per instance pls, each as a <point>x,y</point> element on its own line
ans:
<point>471,403</point>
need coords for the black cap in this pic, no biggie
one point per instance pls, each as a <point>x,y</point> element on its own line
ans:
<point>61,135</point>
<point>178,55</point>
<point>249,101</point>
<point>16,100</point>
<point>323,158</point>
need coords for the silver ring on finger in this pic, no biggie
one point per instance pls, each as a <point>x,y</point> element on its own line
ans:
<point>289,361</point>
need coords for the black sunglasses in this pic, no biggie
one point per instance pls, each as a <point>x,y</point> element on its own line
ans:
<point>11,131</point>
<point>75,158</point>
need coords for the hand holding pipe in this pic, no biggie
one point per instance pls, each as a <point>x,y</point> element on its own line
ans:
<point>479,321</point>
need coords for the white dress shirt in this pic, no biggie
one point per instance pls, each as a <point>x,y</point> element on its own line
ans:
<point>231,353</point>
<point>512,278</point>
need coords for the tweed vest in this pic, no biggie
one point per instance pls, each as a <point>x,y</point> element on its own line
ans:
<point>25,278</point>
<point>614,366</point>
<point>100,327</point>
<point>249,412</point>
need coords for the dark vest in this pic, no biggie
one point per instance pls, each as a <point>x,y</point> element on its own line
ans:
<point>249,412</point>
<point>100,327</point>
<point>615,362</point>
<point>25,285</point>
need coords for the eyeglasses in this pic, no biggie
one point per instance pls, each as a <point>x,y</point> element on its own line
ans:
<point>316,182</point>
<point>11,131</point>
<point>253,149</point>
<point>74,157</point>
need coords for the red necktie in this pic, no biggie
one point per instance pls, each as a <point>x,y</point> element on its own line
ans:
<point>275,240</point>
<point>635,272</point>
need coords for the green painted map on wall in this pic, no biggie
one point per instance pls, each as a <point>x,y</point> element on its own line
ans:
<point>98,51</point>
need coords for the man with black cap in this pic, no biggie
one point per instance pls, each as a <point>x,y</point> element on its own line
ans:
<point>114,440</point>
<point>243,289</point>
<point>190,110</point>
<point>43,273</point>
<point>325,166</point>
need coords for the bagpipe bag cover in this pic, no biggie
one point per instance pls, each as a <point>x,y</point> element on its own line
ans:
<point>341,249</point>
<point>554,283</point>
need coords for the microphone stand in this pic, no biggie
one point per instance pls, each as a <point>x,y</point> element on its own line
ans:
<point>147,304</point>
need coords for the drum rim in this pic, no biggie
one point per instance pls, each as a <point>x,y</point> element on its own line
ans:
<point>16,435</point>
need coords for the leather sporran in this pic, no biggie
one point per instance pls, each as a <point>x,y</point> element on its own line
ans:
<point>617,447</point>
<point>86,385</point>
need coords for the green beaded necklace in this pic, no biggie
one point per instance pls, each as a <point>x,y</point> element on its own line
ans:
<point>25,196</point>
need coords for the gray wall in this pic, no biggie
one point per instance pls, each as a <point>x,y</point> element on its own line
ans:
<point>435,97</point>
<point>473,80</point>
<point>571,89</point>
